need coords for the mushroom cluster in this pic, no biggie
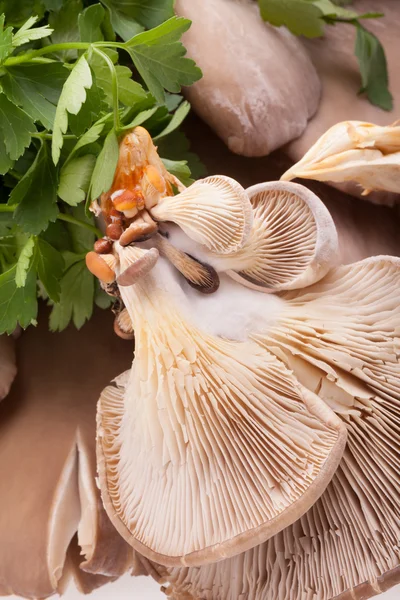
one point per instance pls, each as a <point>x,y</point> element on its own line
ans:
<point>251,449</point>
<point>222,452</point>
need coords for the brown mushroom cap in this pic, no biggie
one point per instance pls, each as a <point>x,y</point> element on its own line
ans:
<point>47,459</point>
<point>341,339</point>
<point>8,368</point>
<point>207,446</point>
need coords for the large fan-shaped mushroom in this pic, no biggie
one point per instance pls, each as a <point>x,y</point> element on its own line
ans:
<point>48,468</point>
<point>341,339</point>
<point>208,445</point>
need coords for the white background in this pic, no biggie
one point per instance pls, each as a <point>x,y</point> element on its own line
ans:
<point>144,588</point>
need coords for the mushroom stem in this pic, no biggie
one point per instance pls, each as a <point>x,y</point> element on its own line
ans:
<point>200,276</point>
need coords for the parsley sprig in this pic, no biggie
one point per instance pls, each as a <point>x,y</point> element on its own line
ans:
<point>72,80</point>
<point>308,18</point>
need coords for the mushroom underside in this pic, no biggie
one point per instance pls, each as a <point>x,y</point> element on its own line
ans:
<point>216,432</point>
<point>340,337</point>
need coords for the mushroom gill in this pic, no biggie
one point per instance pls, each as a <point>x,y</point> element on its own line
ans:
<point>354,151</point>
<point>207,446</point>
<point>341,338</point>
<point>52,523</point>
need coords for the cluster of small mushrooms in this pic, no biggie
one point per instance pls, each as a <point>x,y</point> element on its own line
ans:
<point>252,449</point>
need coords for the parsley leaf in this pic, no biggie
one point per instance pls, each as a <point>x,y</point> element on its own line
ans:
<point>24,261</point>
<point>180,169</point>
<point>103,173</point>
<point>50,266</point>
<point>36,194</point>
<point>17,304</point>
<point>16,127</point>
<point>148,13</point>
<point>373,69</point>
<point>5,40</point>
<point>5,161</point>
<point>124,25</point>
<point>36,88</point>
<point>26,34</point>
<point>75,178</point>
<point>160,58</point>
<point>301,17</point>
<point>72,97</point>
<point>129,91</point>
<point>90,22</point>
<point>76,297</point>
<point>177,118</point>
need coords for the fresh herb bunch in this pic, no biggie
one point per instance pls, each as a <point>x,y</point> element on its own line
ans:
<point>308,18</point>
<point>74,78</point>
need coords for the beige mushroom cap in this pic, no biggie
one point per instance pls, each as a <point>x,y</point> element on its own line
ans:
<point>47,458</point>
<point>336,64</point>
<point>207,446</point>
<point>341,338</point>
<point>8,368</point>
<point>215,212</point>
<point>259,86</point>
<point>366,154</point>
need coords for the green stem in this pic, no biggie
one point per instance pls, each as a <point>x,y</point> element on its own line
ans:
<point>7,207</point>
<point>114,81</point>
<point>70,219</point>
<point>49,136</point>
<point>28,56</point>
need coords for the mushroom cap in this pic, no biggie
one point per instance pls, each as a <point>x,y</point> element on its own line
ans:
<point>215,212</point>
<point>293,242</point>
<point>341,338</point>
<point>8,367</point>
<point>337,66</point>
<point>263,88</point>
<point>208,446</point>
<point>354,151</point>
<point>47,458</point>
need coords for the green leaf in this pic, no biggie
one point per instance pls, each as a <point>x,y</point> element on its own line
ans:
<point>93,106</point>
<point>148,13</point>
<point>65,24</point>
<point>82,238</point>
<point>101,298</point>
<point>180,169</point>
<point>177,119</point>
<point>36,88</point>
<point>130,92</point>
<point>72,97</point>
<point>89,22</point>
<point>17,305</point>
<point>26,34</point>
<point>177,147</point>
<point>142,117</point>
<point>76,297</point>
<point>24,262</point>
<point>18,11</point>
<point>5,161</point>
<point>75,179</point>
<point>373,69</point>
<point>36,194</point>
<point>106,164</point>
<point>5,40</point>
<point>125,26</point>
<point>50,266</point>
<point>87,138</point>
<point>329,9</point>
<point>16,128</point>
<point>301,17</point>
<point>160,59</point>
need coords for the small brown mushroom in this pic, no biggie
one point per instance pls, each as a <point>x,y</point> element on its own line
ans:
<point>139,230</point>
<point>100,267</point>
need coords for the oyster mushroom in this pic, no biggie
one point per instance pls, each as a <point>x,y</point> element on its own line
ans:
<point>208,445</point>
<point>262,89</point>
<point>206,211</point>
<point>340,338</point>
<point>47,461</point>
<point>354,151</point>
<point>8,368</point>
